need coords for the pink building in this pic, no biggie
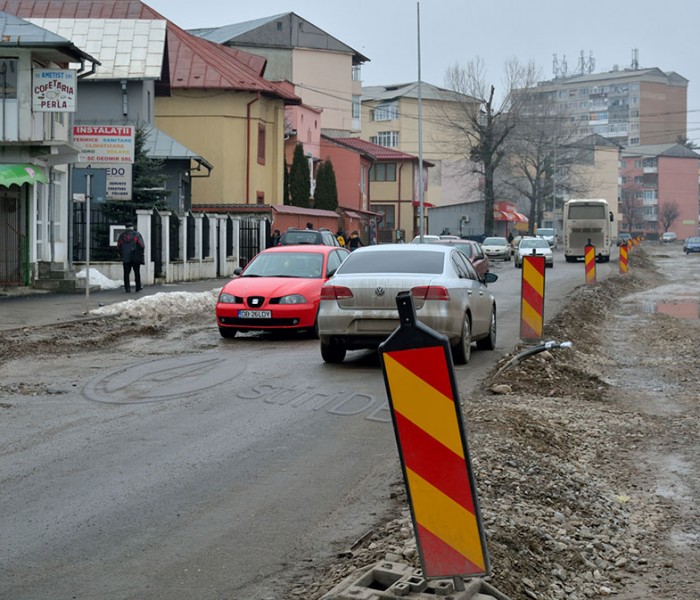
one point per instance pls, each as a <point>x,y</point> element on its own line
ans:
<point>654,178</point>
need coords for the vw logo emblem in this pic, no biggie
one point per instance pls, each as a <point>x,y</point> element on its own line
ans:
<point>379,291</point>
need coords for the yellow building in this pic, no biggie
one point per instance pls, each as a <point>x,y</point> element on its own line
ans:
<point>390,118</point>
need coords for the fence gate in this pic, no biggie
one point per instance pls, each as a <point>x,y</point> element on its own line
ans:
<point>12,238</point>
<point>249,240</point>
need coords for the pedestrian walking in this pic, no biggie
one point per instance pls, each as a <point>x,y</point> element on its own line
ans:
<point>340,236</point>
<point>354,242</point>
<point>275,238</point>
<point>131,250</point>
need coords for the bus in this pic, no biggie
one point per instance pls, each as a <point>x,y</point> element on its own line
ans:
<point>587,222</point>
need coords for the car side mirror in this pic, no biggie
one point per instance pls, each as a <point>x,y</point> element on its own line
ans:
<point>490,277</point>
<point>237,271</point>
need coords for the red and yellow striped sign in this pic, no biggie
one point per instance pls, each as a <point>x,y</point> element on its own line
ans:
<point>532,298</point>
<point>623,258</point>
<point>432,444</point>
<point>589,256</point>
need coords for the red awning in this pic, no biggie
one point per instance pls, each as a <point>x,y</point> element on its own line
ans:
<point>510,216</point>
<point>416,204</point>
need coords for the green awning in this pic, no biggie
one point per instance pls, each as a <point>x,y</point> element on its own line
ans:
<point>21,173</point>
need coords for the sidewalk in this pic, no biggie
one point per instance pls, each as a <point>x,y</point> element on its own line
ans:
<point>27,307</point>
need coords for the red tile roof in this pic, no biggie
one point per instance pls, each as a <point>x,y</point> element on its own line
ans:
<point>194,62</point>
<point>375,151</point>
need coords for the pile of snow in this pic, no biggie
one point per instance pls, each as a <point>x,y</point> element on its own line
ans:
<point>97,278</point>
<point>161,305</point>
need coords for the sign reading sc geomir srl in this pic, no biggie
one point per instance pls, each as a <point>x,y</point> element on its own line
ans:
<point>104,143</point>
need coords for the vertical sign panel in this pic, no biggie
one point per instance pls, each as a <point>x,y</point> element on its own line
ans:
<point>589,256</point>
<point>623,258</point>
<point>532,299</point>
<point>426,412</point>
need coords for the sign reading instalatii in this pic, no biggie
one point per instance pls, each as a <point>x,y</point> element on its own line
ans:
<point>104,143</point>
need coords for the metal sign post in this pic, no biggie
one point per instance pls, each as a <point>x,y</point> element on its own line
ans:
<point>432,443</point>
<point>88,197</point>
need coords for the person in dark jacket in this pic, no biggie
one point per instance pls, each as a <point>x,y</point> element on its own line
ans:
<point>131,250</point>
<point>354,242</point>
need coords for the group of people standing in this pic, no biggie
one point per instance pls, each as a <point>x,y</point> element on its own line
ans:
<point>352,243</point>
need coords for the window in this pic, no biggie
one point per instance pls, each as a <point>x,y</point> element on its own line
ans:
<point>261,143</point>
<point>383,172</point>
<point>356,73</point>
<point>389,210</point>
<point>389,139</point>
<point>9,106</point>
<point>387,111</point>
<point>260,198</point>
<point>356,107</point>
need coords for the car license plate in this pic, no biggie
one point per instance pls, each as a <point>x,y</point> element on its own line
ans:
<point>254,314</point>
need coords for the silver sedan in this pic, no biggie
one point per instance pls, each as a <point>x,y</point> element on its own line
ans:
<point>358,304</point>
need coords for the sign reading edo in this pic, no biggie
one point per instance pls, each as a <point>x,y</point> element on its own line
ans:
<point>104,143</point>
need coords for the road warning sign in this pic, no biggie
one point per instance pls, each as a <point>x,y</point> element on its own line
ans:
<point>426,413</point>
<point>532,298</point>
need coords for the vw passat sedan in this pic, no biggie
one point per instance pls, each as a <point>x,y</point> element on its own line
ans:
<point>532,245</point>
<point>358,304</point>
<point>497,247</point>
<point>279,289</point>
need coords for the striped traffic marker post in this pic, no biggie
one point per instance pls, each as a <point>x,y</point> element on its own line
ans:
<point>532,298</point>
<point>432,443</point>
<point>623,258</point>
<point>589,257</point>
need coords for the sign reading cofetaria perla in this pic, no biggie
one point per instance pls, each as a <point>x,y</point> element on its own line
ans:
<point>54,90</point>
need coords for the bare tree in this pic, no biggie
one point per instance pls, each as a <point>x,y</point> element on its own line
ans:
<point>668,213</point>
<point>482,124</point>
<point>631,206</point>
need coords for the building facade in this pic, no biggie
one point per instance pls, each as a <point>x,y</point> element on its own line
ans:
<point>390,118</point>
<point>629,106</point>
<point>654,178</point>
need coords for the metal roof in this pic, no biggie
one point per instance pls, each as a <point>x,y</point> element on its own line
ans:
<point>410,90</point>
<point>16,32</point>
<point>127,48</point>
<point>375,151</point>
<point>672,150</point>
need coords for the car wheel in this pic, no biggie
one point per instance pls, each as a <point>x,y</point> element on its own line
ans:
<point>332,353</point>
<point>227,332</point>
<point>489,342</point>
<point>461,352</point>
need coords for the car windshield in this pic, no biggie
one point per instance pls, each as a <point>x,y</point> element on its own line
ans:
<point>307,265</point>
<point>694,240</point>
<point>393,262</point>
<point>535,243</point>
<point>495,241</point>
<point>542,231</point>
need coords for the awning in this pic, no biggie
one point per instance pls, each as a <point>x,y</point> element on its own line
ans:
<point>510,216</point>
<point>18,174</point>
<point>416,204</point>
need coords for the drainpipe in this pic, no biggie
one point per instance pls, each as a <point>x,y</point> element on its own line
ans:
<point>125,99</point>
<point>398,204</point>
<point>247,145</point>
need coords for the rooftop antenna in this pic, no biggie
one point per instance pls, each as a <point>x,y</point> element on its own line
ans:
<point>560,69</point>
<point>635,58</point>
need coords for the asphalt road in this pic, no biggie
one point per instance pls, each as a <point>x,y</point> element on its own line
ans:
<point>197,467</point>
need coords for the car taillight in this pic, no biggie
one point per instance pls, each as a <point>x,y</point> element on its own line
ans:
<point>430,292</point>
<point>335,292</point>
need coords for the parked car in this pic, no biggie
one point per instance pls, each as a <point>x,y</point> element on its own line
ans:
<point>691,244</point>
<point>668,237</point>
<point>515,242</point>
<point>279,289</point>
<point>308,236</point>
<point>473,251</point>
<point>623,237</point>
<point>426,239</point>
<point>534,245</point>
<point>358,304</point>
<point>497,247</point>
<point>548,234</point>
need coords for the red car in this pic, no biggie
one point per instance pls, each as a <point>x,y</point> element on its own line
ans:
<point>474,252</point>
<point>280,289</point>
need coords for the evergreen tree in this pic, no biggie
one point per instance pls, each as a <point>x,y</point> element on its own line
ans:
<point>285,184</point>
<point>326,196</point>
<point>299,179</point>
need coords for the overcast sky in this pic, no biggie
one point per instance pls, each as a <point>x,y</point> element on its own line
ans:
<point>456,31</point>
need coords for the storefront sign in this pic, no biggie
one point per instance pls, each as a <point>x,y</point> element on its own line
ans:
<point>104,143</point>
<point>54,90</point>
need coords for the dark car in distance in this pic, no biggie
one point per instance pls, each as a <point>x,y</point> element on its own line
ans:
<point>320,237</point>
<point>691,244</point>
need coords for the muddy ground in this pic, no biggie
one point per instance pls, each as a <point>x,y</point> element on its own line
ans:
<point>587,460</point>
